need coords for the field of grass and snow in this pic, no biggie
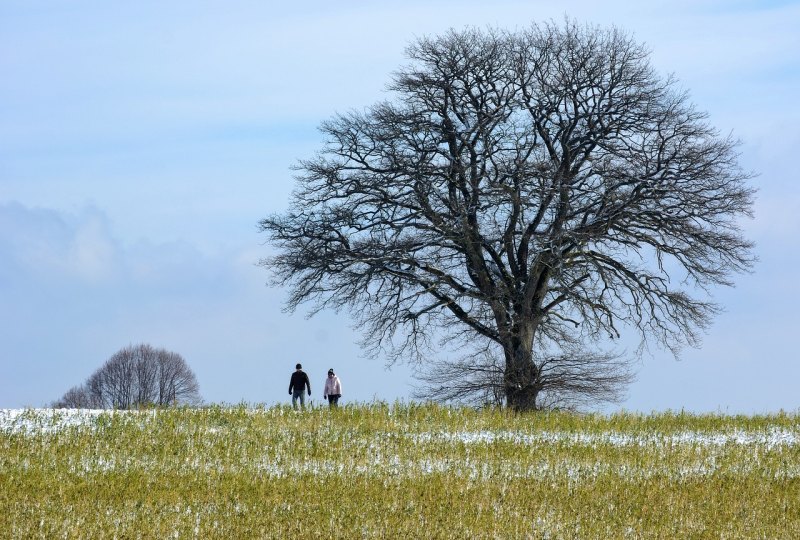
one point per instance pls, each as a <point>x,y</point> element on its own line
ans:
<point>396,471</point>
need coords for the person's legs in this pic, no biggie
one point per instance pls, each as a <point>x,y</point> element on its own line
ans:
<point>298,395</point>
<point>334,400</point>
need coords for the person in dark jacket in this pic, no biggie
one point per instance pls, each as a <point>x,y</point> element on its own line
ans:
<point>297,384</point>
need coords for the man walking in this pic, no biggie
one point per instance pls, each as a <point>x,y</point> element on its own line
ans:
<point>297,384</point>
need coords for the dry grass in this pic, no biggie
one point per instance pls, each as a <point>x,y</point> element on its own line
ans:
<point>398,471</point>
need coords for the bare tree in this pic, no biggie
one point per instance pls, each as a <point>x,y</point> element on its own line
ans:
<point>570,380</point>
<point>174,380</point>
<point>77,397</point>
<point>533,190</point>
<point>136,376</point>
<point>147,371</point>
<point>475,380</point>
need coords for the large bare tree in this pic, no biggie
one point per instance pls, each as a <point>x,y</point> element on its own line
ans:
<point>532,190</point>
<point>136,376</point>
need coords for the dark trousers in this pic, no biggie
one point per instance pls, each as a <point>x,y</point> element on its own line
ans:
<point>333,399</point>
<point>298,395</point>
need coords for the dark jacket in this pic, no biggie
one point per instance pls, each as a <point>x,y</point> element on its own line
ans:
<point>298,381</point>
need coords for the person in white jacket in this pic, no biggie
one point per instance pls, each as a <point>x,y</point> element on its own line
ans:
<point>333,389</point>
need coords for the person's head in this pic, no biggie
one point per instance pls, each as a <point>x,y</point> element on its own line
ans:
<point>298,367</point>
<point>330,372</point>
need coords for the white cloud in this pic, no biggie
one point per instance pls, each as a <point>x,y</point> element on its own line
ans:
<point>58,246</point>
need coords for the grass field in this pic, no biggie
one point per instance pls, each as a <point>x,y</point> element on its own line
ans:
<point>403,471</point>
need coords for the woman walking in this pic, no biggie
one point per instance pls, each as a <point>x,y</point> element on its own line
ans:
<point>333,389</point>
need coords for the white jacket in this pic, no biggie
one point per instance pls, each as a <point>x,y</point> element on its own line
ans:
<point>333,386</point>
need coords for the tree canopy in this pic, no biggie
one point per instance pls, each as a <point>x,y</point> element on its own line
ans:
<point>136,376</point>
<point>530,192</point>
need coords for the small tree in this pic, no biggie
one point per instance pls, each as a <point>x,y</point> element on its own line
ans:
<point>133,377</point>
<point>534,191</point>
<point>77,397</point>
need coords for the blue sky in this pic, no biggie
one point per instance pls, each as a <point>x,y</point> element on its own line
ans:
<point>140,143</point>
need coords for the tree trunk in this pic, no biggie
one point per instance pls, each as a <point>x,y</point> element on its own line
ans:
<point>521,375</point>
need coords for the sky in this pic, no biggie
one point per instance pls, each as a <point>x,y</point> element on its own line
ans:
<point>141,143</point>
